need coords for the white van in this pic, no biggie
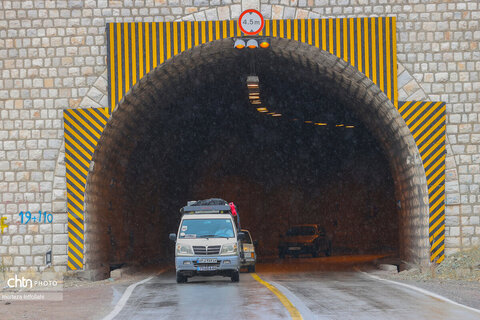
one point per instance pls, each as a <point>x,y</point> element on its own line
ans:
<point>207,242</point>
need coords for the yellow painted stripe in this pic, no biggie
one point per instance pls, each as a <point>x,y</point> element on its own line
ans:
<point>416,114</point>
<point>274,27</point>
<point>365,41</point>
<point>71,266</point>
<point>345,38</point>
<point>210,31</point>
<point>330,36</point>
<point>309,27</point>
<point>126,41</point>
<point>295,30</point>
<point>72,247</point>
<point>81,159</point>
<point>374,50</point>
<point>134,54</point>
<point>389,67</point>
<point>440,259</point>
<point>175,38</point>
<point>92,114</point>
<point>410,110</point>
<point>204,32</point>
<point>71,190</point>
<point>189,34</point>
<point>77,222</point>
<point>294,313</point>
<point>433,227</point>
<point>147,47</point>
<point>394,56</point>
<point>440,170</point>
<point>441,159</point>
<point>337,39</point>
<point>72,237</point>
<point>74,201</point>
<point>432,118</point>
<point>77,232</point>
<point>217,30</point>
<point>441,130</point>
<point>302,30</point>
<point>267,28</point>
<point>182,36</point>
<point>430,150</point>
<point>289,29</point>
<point>439,202</point>
<point>140,50</point>
<point>113,98</point>
<point>154,45</point>
<point>282,30</point>
<point>195,33</point>
<point>232,29</point>
<point>224,27</point>
<point>317,34</point>
<point>70,178</point>
<point>84,143</point>
<point>380,54</point>
<point>82,132</point>
<point>162,41</point>
<point>168,40</point>
<point>71,256</point>
<point>352,42</point>
<point>87,126</point>
<point>359,43</point>
<point>324,35</point>
<point>438,213</point>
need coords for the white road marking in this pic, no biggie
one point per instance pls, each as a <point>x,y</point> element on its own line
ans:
<point>426,292</point>
<point>123,300</point>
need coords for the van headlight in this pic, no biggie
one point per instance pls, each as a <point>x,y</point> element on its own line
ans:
<point>229,248</point>
<point>184,250</point>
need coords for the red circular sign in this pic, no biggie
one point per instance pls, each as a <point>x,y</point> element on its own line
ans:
<point>251,22</point>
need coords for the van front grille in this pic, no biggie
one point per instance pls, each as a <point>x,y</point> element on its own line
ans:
<point>206,250</point>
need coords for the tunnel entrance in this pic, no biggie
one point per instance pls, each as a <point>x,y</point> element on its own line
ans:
<point>332,150</point>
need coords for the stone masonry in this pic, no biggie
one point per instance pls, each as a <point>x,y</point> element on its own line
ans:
<point>52,56</point>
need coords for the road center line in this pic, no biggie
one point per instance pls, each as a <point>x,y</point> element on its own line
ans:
<point>294,313</point>
<point>426,292</point>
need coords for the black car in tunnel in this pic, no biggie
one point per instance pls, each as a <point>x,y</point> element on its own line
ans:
<point>305,239</point>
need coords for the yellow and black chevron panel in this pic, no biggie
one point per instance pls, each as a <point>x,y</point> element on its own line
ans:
<point>134,49</point>
<point>426,121</point>
<point>82,130</point>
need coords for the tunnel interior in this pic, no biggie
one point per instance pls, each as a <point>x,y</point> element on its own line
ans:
<point>188,131</point>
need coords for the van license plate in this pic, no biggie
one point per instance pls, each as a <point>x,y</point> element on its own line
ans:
<point>207,260</point>
<point>207,268</point>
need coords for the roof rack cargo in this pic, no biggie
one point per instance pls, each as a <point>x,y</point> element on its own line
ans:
<point>213,205</point>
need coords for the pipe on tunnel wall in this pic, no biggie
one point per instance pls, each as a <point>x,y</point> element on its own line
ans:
<point>161,88</point>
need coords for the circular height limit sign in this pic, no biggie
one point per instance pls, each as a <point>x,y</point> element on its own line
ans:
<point>251,22</point>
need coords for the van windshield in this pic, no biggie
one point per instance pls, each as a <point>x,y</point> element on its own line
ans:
<point>206,228</point>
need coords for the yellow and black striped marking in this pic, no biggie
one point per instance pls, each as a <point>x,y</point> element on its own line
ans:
<point>83,128</point>
<point>134,49</point>
<point>426,121</point>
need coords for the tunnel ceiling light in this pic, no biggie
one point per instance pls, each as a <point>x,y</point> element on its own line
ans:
<point>239,44</point>
<point>262,109</point>
<point>276,115</point>
<point>320,124</point>
<point>339,125</point>
<point>349,127</point>
<point>308,121</point>
<point>252,43</point>
<point>256,102</point>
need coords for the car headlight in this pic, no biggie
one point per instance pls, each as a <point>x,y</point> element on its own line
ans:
<point>230,248</point>
<point>184,250</point>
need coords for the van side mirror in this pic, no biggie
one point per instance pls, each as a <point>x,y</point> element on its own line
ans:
<point>172,236</point>
<point>241,236</point>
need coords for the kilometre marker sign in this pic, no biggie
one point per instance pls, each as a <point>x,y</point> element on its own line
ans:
<point>251,22</point>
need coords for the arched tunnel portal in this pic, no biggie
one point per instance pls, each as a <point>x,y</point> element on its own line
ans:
<point>340,155</point>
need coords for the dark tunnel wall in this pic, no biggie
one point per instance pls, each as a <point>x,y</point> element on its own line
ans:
<point>187,131</point>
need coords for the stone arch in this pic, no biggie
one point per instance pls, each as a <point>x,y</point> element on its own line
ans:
<point>161,86</point>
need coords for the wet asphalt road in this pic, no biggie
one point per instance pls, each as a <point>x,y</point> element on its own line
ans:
<point>326,294</point>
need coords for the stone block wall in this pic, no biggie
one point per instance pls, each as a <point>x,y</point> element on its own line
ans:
<point>52,56</point>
